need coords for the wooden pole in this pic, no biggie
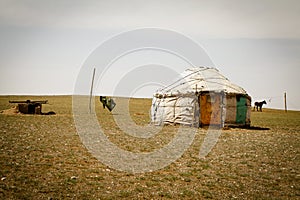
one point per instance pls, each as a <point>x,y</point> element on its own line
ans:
<point>285,104</point>
<point>91,92</point>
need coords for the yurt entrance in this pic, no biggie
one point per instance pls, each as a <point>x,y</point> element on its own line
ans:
<point>210,109</point>
<point>241,110</point>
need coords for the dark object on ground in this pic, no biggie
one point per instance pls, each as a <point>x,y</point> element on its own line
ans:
<point>259,105</point>
<point>49,113</point>
<point>107,102</point>
<point>30,107</point>
<point>250,127</point>
<point>103,101</point>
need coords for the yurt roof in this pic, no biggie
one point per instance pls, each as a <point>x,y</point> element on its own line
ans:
<point>200,79</point>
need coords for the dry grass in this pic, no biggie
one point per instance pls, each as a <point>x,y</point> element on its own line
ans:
<point>42,157</point>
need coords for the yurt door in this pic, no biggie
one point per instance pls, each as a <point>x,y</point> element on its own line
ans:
<point>210,109</point>
<point>241,110</point>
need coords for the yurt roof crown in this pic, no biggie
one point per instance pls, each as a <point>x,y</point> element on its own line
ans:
<point>200,79</point>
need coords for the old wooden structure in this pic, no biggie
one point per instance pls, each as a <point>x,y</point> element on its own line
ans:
<point>30,107</point>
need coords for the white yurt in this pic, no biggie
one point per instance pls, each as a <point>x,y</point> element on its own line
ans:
<point>202,96</point>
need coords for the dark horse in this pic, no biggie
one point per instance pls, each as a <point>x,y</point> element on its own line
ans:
<point>259,105</point>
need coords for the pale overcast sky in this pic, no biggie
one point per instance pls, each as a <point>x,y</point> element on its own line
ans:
<point>256,44</point>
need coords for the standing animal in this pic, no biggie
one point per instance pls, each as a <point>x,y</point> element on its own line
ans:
<point>259,105</point>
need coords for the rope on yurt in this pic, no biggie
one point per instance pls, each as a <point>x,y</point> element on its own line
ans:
<point>174,108</point>
<point>221,77</point>
<point>225,85</point>
<point>156,108</point>
<point>208,81</point>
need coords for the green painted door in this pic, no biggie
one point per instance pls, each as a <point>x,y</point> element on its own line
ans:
<point>241,110</point>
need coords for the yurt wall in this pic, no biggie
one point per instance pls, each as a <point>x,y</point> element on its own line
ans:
<point>175,110</point>
<point>238,109</point>
<point>230,109</point>
<point>248,120</point>
<point>184,110</point>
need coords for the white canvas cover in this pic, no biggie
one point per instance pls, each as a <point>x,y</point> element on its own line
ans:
<point>177,103</point>
<point>202,79</point>
<point>175,110</point>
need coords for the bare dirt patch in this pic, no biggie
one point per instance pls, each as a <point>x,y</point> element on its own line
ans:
<point>10,111</point>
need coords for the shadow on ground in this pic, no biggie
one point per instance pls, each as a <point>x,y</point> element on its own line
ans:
<point>250,127</point>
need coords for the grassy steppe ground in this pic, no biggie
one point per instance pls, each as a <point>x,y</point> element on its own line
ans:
<point>42,157</point>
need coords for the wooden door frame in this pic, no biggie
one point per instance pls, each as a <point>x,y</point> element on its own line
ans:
<point>221,95</point>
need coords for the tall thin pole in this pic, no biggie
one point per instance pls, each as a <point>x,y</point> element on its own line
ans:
<point>285,104</point>
<point>91,92</point>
